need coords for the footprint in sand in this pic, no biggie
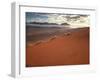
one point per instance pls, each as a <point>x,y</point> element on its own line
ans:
<point>67,34</point>
<point>54,37</point>
<point>30,44</point>
<point>38,42</point>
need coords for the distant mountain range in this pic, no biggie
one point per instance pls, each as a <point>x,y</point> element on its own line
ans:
<point>46,23</point>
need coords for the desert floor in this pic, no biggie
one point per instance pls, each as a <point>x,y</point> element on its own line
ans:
<point>70,48</point>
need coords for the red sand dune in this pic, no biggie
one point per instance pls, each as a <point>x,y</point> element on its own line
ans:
<point>71,49</point>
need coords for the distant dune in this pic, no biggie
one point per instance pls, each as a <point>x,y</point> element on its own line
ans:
<point>69,48</point>
<point>34,33</point>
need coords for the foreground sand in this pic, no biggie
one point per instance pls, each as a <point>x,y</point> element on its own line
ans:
<point>71,49</point>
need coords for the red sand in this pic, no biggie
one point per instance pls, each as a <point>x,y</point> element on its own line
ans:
<point>70,49</point>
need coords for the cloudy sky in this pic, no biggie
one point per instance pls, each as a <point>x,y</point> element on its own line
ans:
<point>72,19</point>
